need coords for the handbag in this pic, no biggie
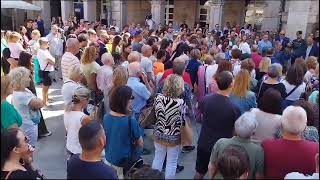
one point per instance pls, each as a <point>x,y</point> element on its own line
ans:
<point>41,72</point>
<point>186,134</point>
<point>148,114</point>
<point>132,161</point>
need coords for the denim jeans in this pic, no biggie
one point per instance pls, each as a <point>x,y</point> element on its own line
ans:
<point>172,159</point>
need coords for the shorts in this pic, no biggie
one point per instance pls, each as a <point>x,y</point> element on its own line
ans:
<point>203,159</point>
<point>46,78</point>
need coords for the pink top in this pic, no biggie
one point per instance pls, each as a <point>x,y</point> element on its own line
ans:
<point>256,58</point>
<point>15,49</point>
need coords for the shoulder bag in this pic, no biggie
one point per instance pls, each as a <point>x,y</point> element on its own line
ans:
<point>41,72</point>
<point>148,114</point>
<point>133,161</point>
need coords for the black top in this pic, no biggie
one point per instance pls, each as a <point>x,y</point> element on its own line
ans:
<point>280,87</point>
<point>20,174</point>
<point>219,115</point>
<point>79,169</point>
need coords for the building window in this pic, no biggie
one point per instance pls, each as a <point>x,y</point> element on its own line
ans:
<point>168,11</point>
<point>78,9</point>
<point>203,15</point>
<point>105,15</point>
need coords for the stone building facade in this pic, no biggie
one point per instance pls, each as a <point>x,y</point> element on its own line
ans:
<point>267,15</point>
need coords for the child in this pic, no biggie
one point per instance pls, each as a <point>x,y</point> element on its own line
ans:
<point>14,45</point>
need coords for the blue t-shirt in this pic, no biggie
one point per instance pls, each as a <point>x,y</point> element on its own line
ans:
<point>78,169</point>
<point>117,133</point>
<point>192,69</point>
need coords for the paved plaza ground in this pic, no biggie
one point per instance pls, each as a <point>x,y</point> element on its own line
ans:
<point>50,157</point>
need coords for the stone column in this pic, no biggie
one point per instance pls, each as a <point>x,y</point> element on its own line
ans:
<point>45,13</point>
<point>215,12</point>
<point>89,10</point>
<point>298,13</point>
<point>157,11</point>
<point>67,9</point>
<point>119,12</point>
<point>271,16</point>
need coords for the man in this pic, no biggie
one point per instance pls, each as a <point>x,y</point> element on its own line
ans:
<point>103,42</point>
<point>83,43</point>
<point>29,29</point>
<point>184,25</point>
<point>292,153</point>
<point>146,63</point>
<point>40,25</point>
<point>56,41</point>
<point>114,24</point>
<point>137,41</point>
<point>150,22</point>
<point>312,49</point>
<point>281,56</point>
<point>69,59</point>
<point>264,44</point>
<point>282,39</point>
<point>169,34</point>
<point>297,175</point>
<point>88,164</point>
<point>104,74</point>
<point>299,47</point>
<point>245,126</point>
<point>219,115</point>
<point>92,35</point>
<point>46,61</point>
<point>217,29</point>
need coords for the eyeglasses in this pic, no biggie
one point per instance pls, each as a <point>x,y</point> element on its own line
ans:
<point>281,34</point>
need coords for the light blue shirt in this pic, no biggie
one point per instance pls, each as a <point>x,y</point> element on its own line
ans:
<point>244,103</point>
<point>264,45</point>
<point>140,93</point>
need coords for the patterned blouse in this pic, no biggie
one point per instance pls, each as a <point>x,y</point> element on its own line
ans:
<point>169,114</point>
<point>310,134</point>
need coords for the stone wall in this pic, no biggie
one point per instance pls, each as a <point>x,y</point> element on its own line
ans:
<point>271,18</point>
<point>233,12</point>
<point>185,9</point>
<point>137,11</point>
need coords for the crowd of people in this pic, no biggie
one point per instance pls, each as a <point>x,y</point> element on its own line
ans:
<point>255,94</point>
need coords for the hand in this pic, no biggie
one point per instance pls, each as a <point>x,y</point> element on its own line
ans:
<point>27,158</point>
<point>144,77</point>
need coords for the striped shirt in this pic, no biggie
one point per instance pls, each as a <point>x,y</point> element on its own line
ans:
<point>67,61</point>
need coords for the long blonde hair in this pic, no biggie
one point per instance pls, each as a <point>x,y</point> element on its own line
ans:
<point>264,64</point>
<point>119,78</point>
<point>89,55</point>
<point>5,86</point>
<point>241,83</point>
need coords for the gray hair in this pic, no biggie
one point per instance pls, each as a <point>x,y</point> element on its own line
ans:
<point>134,68</point>
<point>273,71</point>
<point>219,57</point>
<point>294,120</point>
<point>134,56</point>
<point>246,125</point>
<point>279,67</point>
<point>72,42</point>
<point>20,77</point>
<point>79,94</point>
<point>145,48</point>
<point>106,58</point>
<point>195,53</point>
<point>74,71</point>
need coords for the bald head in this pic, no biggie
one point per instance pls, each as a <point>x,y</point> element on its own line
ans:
<point>146,50</point>
<point>72,45</point>
<point>107,59</point>
<point>134,56</point>
<point>134,69</point>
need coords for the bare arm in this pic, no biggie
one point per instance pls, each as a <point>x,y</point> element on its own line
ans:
<point>85,120</point>
<point>139,142</point>
<point>212,170</point>
<point>36,103</point>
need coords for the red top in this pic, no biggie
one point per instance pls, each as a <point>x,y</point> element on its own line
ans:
<point>186,76</point>
<point>283,156</point>
<point>256,58</point>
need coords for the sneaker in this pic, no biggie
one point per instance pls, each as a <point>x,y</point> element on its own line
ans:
<point>146,151</point>
<point>179,168</point>
<point>186,149</point>
<point>49,133</point>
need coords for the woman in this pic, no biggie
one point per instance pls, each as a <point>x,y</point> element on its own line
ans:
<point>90,68</point>
<point>224,65</point>
<point>27,104</point>
<point>25,61</point>
<point>310,133</point>
<point>116,46</point>
<point>34,46</point>
<point>294,84</point>
<point>241,95</point>
<point>169,109</point>
<point>119,78</point>
<point>74,118</point>
<point>24,39</point>
<point>126,50</point>
<point>244,46</point>
<point>9,115</point>
<point>263,67</point>
<point>116,126</point>
<point>193,65</point>
<point>268,115</point>
<point>272,81</point>
<point>313,72</point>
<point>16,156</point>
<point>72,83</point>
<point>248,64</point>
<point>165,44</point>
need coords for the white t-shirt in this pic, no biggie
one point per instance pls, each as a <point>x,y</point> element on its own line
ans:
<point>55,44</point>
<point>146,65</point>
<point>245,48</point>
<point>210,72</point>
<point>15,49</point>
<point>68,89</point>
<point>296,175</point>
<point>236,68</point>
<point>68,60</point>
<point>43,56</point>
<point>296,93</point>
<point>72,123</point>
